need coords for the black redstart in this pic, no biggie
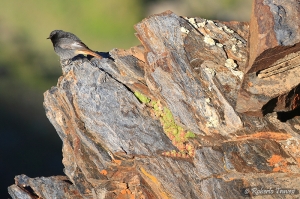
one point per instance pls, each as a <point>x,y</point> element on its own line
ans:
<point>67,45</point>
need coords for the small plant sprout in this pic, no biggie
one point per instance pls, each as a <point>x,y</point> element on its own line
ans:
<point>142,98</point>
<point>190,134</point>
<point>189,146</point>
<point>192,153</point>
<point>173,153</point>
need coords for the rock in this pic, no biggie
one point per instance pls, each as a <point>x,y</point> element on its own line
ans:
<point>184,82</point>
<point>273,33</point>
<point>158,121</point>
<point>51,187</point>
<point>271,82</point>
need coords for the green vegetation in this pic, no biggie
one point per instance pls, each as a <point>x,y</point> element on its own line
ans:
<point>178,136</point>
<point>142,97</point>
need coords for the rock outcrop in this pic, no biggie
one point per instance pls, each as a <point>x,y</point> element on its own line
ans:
<point>271,80</point>
<point>159,121</point>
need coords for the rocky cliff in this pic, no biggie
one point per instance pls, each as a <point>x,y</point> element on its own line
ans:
<point>159,120</point>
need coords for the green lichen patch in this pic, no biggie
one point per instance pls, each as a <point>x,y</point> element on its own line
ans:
<point>176,133</point>
<point>178,136</point>
<point>190,134</point>
<point>144,99</point>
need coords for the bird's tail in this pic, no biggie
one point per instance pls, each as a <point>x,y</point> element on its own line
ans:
<point>90,52</point>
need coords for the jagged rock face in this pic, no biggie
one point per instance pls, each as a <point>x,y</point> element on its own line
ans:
<point>271,81</point>
<point>50,187</point>
<point>116,146</point>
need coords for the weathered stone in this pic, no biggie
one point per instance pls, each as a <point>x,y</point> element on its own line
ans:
<point>273,33</point>
<point>52,187</point>
<point>271,82</point>
<point>280,92</point>
<point>187,83</point>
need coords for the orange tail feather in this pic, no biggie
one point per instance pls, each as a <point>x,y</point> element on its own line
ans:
<point>89,52</point>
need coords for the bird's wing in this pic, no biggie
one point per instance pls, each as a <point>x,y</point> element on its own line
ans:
<point>67,43</point>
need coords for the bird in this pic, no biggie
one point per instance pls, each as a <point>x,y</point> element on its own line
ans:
<point>67,45</point>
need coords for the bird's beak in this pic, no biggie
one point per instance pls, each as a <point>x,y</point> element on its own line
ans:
<point>48,38</point>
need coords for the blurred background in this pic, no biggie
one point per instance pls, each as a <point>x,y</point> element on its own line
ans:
<point>28,65</point>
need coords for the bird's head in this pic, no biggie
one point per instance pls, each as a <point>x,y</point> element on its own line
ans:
<point>55,33</point>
